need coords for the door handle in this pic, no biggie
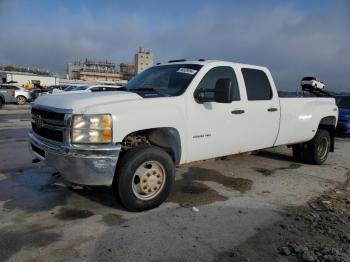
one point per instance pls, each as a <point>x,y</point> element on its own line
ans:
<point>237,112</point>
<point>272,109</point>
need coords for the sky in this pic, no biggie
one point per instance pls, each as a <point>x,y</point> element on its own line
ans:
<point>292,38</point>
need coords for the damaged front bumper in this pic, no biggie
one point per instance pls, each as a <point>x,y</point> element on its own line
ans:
<point>85,165</point>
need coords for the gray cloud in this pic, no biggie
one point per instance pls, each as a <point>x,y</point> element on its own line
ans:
<point>290,41</point>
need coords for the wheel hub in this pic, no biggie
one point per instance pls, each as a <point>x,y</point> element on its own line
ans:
<point>148,180</point>
<point>151,181</point>
<point>323,148</point>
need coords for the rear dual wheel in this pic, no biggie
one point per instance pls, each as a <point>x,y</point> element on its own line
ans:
<point>315,151</point>
<point>144,178</point>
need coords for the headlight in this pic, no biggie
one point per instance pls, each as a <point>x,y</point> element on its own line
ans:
<point>91,129</point>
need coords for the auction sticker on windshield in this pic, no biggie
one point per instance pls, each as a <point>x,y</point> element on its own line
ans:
<point>187,71</point>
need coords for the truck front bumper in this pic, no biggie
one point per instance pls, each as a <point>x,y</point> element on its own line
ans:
<point>85,165</point>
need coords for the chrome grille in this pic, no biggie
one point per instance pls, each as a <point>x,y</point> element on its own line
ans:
<point>49,115</point>
<point>51,123</point>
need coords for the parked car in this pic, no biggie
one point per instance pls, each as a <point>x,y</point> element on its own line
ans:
<point>58,88</point>
<point>95,88</point>
<point>15,94</point>
<point>36,92</point>
<point>6,95</point>
<point>343,126</point>
<point>312,83</point>
<point>22,95</point>
<point>2,100</point>
<point>172,114</point>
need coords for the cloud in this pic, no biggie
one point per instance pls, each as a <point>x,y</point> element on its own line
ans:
<point>291,39</point>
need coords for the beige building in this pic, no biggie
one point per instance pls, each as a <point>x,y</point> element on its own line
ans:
<point>127,70</point>
<point>96,77</point>
<point>143,60</point>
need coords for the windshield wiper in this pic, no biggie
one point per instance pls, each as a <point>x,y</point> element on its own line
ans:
<point>144,89</point>
<point>149,89</point>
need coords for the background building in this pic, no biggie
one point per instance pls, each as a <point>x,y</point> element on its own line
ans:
<point>96,77</point>
<point>27,79</point>
<point>143,60</point>
<point>93,71</point>
<point>127,70</point>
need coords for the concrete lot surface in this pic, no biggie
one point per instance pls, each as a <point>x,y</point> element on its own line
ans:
<point>43,219</point>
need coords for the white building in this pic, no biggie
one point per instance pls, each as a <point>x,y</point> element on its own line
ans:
<point>23,78</point>
<point>143,60</point>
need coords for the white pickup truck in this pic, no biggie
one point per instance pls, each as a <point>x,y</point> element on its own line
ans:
<point>172,114</point>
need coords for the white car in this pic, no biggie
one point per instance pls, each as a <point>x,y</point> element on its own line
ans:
<point>95,88</point>
<point>170,115</point>
<point>19,94</point>
<point>312,82</point>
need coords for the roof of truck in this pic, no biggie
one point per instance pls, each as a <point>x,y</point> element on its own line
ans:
<point>206,62</point>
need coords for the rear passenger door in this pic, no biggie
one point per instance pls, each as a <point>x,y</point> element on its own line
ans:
<point>261,110</point>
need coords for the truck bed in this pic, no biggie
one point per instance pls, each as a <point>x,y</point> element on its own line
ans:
<point>300,117</point>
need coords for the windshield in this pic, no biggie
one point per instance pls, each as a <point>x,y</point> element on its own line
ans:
<point>343,102</point>
<point>167,80</point>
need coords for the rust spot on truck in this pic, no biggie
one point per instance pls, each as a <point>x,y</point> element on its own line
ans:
<point>190,191</point>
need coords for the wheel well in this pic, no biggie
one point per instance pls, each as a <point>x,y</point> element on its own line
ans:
<point>167,138</point>
<point>329,123</point>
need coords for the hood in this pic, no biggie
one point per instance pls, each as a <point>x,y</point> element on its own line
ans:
<point>80,100</point>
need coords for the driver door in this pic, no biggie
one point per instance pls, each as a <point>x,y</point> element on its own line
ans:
<point>212,132</point>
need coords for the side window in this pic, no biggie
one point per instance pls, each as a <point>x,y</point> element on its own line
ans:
<point>257,84</point>
<point>209,80</point>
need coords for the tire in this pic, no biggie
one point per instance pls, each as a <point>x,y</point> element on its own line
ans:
<point>144,178</point>
<point>21,100</point>
<point>315,151</point>
<point>1,103</point>
<point>318,148</point>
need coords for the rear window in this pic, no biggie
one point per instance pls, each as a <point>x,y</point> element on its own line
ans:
<point>257,84</point>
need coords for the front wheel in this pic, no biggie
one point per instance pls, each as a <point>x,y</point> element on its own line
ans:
<point>21,100</point>
<point>144,178</point>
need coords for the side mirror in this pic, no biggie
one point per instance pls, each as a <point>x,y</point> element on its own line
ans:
<point>199,96</point>
<point>223,91</point>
